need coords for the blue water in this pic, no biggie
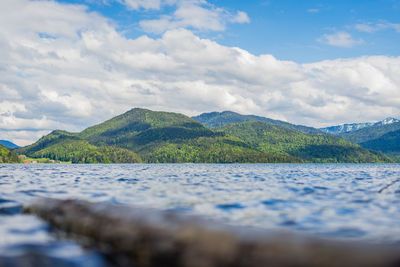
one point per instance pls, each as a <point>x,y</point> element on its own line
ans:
<point>342,201</point>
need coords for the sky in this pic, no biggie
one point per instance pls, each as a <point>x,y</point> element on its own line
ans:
<point>69,64</point>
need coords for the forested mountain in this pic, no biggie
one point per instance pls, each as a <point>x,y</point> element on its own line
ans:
<point>388,143</point>
<point>370,133</point>
<point>312,148</point>
<point>219,119</point>
<point>8,144</point>
<point>142,135</point>
<point>7,156</point>
<point>150,137</point>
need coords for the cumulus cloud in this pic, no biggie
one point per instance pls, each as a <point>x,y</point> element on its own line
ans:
<point>64,67</point>
<point>196,14</point>
<point>341,39</point>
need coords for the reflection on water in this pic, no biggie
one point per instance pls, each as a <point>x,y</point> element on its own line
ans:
<point>344,201</point>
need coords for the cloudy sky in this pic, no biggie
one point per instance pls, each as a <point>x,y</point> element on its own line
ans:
<point>71,64</point>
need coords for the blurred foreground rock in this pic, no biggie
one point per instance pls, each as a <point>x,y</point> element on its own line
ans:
<point>138,237</point>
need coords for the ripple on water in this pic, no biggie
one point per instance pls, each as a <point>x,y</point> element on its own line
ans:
<point>10,208</point>
<point>331,200</point>
<point>230,206</point>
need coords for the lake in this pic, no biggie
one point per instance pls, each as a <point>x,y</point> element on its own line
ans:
<point>336,201</point>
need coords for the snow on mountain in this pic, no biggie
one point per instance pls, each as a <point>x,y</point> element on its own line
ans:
<point>345,128</point>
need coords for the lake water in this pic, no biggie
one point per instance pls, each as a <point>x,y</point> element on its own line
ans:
<point>338,201</point>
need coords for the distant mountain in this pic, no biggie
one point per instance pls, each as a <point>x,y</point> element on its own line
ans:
<point>311,148</point>
<point>370,133</point>
<point>8,144</point>
<point>388,143</point>
<point>218,119</point>
<point>7,156</point>
<point>347,128</point>
<point>142,135</point>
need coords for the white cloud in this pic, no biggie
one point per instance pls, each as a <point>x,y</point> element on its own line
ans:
<point>341,39</point>
<point>196,14</point>
<point>313,10</point>
<point>241,17</point>
<point>145,4</point>
<point>88,72</point>
<point>371,27</point>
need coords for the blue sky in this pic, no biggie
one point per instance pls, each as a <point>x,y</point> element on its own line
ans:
<point>69,64</point>
<point>287,29</point>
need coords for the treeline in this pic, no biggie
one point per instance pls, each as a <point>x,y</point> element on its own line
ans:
<point>212,150</point>
<point>80,151</point>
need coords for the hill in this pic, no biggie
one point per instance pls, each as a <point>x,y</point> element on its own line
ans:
<point>142,135</point>
<point>8,144</point>
<point>313,148</point>
<point>388,143</point>
<point>151,137</point>
<point>7,156</point>
<point>219,119</point>
<point>370,133</point>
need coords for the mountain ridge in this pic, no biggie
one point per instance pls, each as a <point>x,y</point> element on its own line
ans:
<point>142,135</point>
<point>8,144</point>
<point>351,127</point>
<point>218,119</point>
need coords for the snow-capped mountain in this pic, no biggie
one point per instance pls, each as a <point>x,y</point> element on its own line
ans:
<point>345,128</point>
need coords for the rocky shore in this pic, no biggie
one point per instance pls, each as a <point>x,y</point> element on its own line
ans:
<point>130,236</point>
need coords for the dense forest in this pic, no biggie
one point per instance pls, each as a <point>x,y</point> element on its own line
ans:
<point>309,147</point>
<point>7,156</point>
<point>142,135</point>
<point>388,143</point>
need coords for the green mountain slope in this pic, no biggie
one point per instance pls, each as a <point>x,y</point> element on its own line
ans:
<point>313,148</point>
<point>138,127</point>
<point>7,156</point>
<point>65,146</point>
<point>142,135</point>
<point>152,137</point>
<point>388,143</point>
<point>219,119</point>
<point>212,150</point>
<point>370,133</point>
<point>80,151</point>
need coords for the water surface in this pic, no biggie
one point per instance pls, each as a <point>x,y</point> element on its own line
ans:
<point>340,201</point>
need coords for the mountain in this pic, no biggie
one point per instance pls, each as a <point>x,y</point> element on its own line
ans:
<point>8,144</point>
<point>347,128</point>
<point>388,143</point>
<point>7,156</point>
<point>142,135</point>
<point>219,119</point>
<point>151,137</point>
<point>313,148</point>
<point>370,133</point>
